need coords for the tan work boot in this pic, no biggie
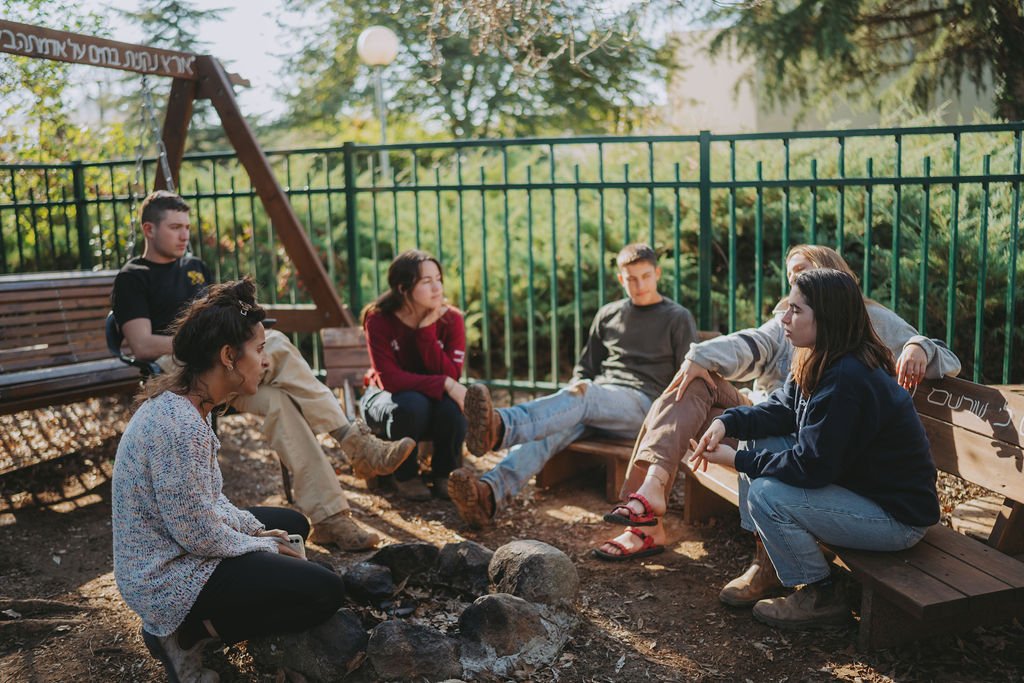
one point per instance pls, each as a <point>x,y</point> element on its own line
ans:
<point>482,420</point>
<point>757,582</point>
<point>811,606</point>
<point>473,499</point>
<point>341,530</point>
<point>373,457</point>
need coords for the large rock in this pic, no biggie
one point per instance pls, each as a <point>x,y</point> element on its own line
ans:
<point>369,583</point>
<point>534,571</point>
<point>406,559</point>
<point>505,635</point>
<point>323,653</point>
<point>501,622</point>
<point>464,566</point>
<point>402,651</point>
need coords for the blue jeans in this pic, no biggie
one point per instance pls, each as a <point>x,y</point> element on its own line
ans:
<point>767,443</point>
<point>537,430</point>
<point>412,414</point>
<point>791,520</point>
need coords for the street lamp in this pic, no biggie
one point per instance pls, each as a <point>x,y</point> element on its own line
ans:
<point>377,47</point>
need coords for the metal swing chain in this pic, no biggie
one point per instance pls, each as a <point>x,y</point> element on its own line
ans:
<point>147,120</point>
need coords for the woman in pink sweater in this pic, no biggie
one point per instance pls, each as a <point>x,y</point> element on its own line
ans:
<point>417,346</point>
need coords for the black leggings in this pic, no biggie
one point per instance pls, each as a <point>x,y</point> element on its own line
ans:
<point>412,414</point>
<point>262,594</point>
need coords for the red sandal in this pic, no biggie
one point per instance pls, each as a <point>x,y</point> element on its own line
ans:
<point>646,550</point>
<point>645,518</point>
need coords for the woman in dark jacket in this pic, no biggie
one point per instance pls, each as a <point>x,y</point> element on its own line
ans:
<point>860,474</point>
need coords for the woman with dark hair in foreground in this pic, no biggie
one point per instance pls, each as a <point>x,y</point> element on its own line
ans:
<point>193,566</point>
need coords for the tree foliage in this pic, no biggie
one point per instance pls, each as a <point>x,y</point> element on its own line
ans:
<point>173,25</point>
<point>882,51</point>
<point>38,125</point>
<point>565,67</point>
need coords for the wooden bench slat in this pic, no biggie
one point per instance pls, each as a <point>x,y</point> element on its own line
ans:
<point>87,327</point>
<point>986,410</point>
<point>985,558</point>
<point>903,584</point>
<point>50,297</point>
<point>44,317</point>
<point>978,459</point>
<point>55,278</point>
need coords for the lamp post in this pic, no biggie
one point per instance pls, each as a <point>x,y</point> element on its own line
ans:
<point>377,47</point>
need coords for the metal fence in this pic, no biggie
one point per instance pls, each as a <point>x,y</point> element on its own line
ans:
<point>527,229</point>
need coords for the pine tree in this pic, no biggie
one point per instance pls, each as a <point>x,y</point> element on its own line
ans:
<point>881,51</point>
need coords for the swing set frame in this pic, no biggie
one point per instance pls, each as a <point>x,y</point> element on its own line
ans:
<point>200,77</point>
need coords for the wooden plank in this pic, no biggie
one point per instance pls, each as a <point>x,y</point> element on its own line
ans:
<point>295,318</point>
<point>884,624</point>
<point>294,239</point>
<point>607,447</point>
<point>52,278</point>
<point>77,48</point>
<point>1008,531</point>
<point>979,459</point>
<point>351,357</point>
<point>567,464</point>
<point>989,411</point>
<point>56,298</point>
<point>86,327</point>
<point>337,377</point>
<point>978,555</point>
<point>709,494</point>
<point>984,590</point>
<point>176,120</point>
<point>43,317</point>
<point>69,395</point>
<point>343,337</point>
<point>917,592</point>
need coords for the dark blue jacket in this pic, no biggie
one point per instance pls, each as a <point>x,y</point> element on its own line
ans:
<point>858,430</point>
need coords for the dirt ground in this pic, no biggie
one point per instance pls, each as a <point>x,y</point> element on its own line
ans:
<point>62,619</point>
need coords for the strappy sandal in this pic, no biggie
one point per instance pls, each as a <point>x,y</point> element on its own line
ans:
<point>648,548</point>
<point>645,518</point>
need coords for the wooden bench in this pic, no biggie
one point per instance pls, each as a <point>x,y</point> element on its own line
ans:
<point>947,582</point>
<point>53,342</point>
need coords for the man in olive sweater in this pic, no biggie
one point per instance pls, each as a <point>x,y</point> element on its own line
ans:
<point>634,348</point>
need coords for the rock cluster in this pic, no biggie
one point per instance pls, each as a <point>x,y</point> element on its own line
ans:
<point>521,624</point>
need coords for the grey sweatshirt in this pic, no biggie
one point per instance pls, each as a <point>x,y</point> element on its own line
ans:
<point>763,353</point>
<point>637,346</point>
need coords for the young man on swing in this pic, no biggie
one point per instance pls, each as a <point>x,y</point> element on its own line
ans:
<point>634,348</point>
<point>149,293</point>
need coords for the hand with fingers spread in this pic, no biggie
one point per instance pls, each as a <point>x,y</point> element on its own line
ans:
<point>688,372</point>
<point>711,449</point>
<point>910,366</point>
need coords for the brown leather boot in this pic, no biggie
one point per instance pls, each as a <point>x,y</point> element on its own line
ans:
<point>482,420</point>
<point>811,606</point>
<point>757,582</point>
<point>341,530</point>
<point>373,457</point>
<point>473,499</point>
